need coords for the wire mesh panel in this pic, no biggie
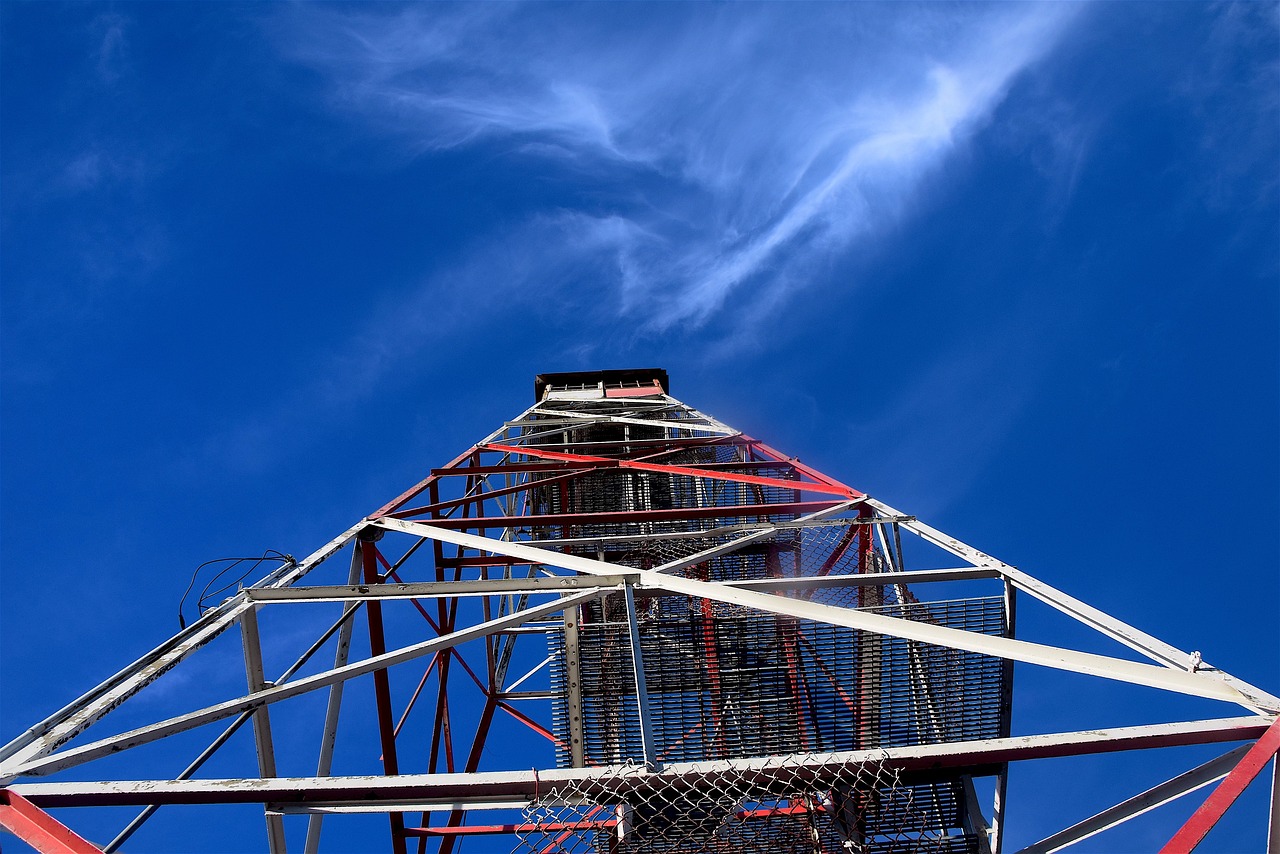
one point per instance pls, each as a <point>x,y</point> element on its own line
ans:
<point>860,808</point>
<point>728,682</point>
<point>724,682</point>
<point>740,729</point>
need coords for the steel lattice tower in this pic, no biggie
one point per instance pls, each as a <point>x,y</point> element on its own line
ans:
<point>618,625</point>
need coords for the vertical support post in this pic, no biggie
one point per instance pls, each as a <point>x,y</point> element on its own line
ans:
<point>573,673</point>
<point>972,816</point>
<point>999,808</point>
<point>711,665</point>
<point>330,734</point>
<point>261,719</point>
<point>869,643</point>
<point>1273,825</point>
<point>442,618</point>
<point>788,632</point>
<point>381,682</point>
<point>642,691</point>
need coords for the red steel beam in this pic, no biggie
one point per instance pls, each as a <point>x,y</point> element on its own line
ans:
<point>473,762</point>
<point>831,677</point>
<point>651,443</point>
<point>614,517</point>
<point>576,471</point>
<point>532,724</point>
<point>846,540</point>
<point>1204,819</point>
<point>483,560</point>
<point>555,845</point>
<point>433,754</point>
<point>413,700</point>
<point>800,467</point>
<point>770,812</point>
<point>505,468</point>
<point>491,829</point>
<point>735,477</point>
<point>38,829</point>
<point>415,490</point>
<point>732,464</point>
<point>711,664</point>
<point>787,631</point>
<point>382,689</point>
<point>481,497</point>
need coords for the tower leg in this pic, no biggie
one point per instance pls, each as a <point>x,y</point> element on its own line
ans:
<point>382,686</point>
<point>1273,825</point>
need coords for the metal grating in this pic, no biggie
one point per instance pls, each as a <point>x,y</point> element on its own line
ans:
<point>726,682</point>
<point>725,685</point>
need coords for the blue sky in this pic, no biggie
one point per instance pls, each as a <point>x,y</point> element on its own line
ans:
<point>1011,268</point>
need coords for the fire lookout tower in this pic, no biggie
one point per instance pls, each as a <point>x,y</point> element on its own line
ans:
<point>615,625</point>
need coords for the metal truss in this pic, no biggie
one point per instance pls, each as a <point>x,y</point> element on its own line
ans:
<point>662,604</point>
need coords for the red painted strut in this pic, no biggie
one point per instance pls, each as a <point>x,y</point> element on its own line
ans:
<point>1203,819</point>
<point>610,462</point>
<point>38,829</point>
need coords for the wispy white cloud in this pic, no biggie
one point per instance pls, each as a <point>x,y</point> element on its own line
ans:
<point>95,168</point>
<point>1231,72</point>
<point>109,29</point>
<point>728,155</point>
<point>763,140</point>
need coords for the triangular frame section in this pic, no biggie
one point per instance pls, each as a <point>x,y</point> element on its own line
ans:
<point>609,492</point>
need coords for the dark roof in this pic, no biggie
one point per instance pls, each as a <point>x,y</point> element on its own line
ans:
<point>625,376</point>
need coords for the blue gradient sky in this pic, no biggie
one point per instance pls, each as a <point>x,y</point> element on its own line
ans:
<point>1011,268</point>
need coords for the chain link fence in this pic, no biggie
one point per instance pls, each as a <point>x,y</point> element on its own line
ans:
<point>742,808</point>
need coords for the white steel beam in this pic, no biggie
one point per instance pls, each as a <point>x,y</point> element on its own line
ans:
<point>1273,820</point>
<point>973,815</point>
<point>865,579</point>
<point>316,808</point>
<point>1063,659</point>
<point>216,745</point>
<point>74,718</point>
<point>813,520</point>
<point>755,536</point>
<point>329,735</point>
<point>648,747</point>
<point>261,719</point>
<point>999,807</point>
<point>433,589</point>
<point>144,735</point>
<point>506,785</point>
<point>1183,784</point>
<point>1134,638</point>
<point>930,534</point>
<point>674,424</point>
